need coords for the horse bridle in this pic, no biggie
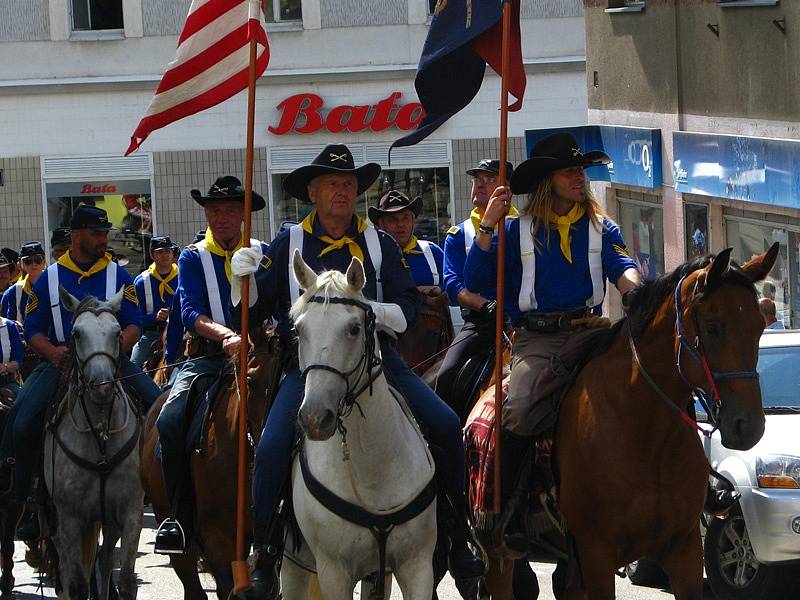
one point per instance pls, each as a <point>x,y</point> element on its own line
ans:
<point>698,354</point>
<point>364,367</point>
<point>81,363</point>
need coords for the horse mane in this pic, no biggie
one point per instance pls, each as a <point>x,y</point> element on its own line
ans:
<point>88,303</point>
<point>647,299</point>
<point>329,284</point>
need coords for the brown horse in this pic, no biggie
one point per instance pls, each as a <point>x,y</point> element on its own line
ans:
<point>631,473</point>
<point>422,343</point>
<point>213,471</point>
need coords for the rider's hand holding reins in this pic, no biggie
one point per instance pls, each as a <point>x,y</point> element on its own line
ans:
<point>244,262</point>
<point>389,317</point>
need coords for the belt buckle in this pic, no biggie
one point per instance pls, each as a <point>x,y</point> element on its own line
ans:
<point>564,323</point>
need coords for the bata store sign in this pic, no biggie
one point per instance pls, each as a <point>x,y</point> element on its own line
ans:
<point>307,113</point>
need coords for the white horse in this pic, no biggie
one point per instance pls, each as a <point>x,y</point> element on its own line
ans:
<point>91,467</point>
<point>365,457</point>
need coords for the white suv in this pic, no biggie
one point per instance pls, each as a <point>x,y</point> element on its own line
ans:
<point>755,552</point>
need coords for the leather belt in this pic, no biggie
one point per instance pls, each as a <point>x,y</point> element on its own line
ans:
<point>551,322</point>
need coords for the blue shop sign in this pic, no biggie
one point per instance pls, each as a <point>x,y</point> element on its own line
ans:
<point>740,168</point>
<point>635,152</point>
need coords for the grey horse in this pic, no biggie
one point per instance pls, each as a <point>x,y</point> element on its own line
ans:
<point>90,467</point>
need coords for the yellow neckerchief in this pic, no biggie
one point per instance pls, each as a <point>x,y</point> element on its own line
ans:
<point>411,246</point>
<point>563,225</point>
<point>476,216</point>
<point>163,285</point>
<point>213,246</point>
<point>26,286</point>
<point>352,246</point>
<point>100,265</point>
<point>15,279</point>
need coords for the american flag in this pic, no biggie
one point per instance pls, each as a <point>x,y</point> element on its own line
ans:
<point>211,64</point>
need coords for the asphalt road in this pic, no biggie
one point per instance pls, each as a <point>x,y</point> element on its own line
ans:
<point>157,581</point>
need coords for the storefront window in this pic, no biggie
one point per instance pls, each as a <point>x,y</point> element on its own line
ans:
<point>432,184</point>
<point>696,223</point>
<point>781,285</point>
<point>643,232</point>
<point>129,207</point>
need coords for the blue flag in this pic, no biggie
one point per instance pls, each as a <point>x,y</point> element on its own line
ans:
<point>464,36</point>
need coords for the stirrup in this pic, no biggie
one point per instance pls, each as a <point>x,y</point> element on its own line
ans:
<point>170,528</point>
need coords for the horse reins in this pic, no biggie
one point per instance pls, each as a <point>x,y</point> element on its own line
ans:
<point>697,352</point>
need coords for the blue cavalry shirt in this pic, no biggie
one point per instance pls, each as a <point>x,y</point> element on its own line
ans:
<point>455,257</point>
<point>272,277</point>
<point>559,284</point>
<point>150,303</point>
<point>8,305</point>
<point>420,268</point>
<point>39,316</point>
<point>10,342</point>
<point>194,286</point>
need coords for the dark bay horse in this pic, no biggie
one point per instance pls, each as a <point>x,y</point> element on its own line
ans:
<point>422,343</point>
<point>213,471</point>
<point>631,472</point>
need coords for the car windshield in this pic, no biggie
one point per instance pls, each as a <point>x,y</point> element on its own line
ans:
<point>779,369</point>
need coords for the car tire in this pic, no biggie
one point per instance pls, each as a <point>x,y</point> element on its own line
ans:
<point>732,569</point>
<point>646,573</point>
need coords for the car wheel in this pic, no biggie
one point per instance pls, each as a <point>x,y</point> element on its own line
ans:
<point>646,573</point>
<point>732,568</point>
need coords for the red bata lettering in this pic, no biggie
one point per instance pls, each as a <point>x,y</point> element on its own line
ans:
<point>302,113</point>
<point>88,188</point>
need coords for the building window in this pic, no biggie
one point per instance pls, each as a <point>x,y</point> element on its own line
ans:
<point>281,11</point>
<point>433,184</point>
<point>782,285</point>
<point>129,207</point>
<point>96,15</point>
<point>642,227</point>
<point>696,223</point>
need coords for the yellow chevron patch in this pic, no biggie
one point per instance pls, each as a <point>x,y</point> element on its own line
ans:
<point>130,294</point>
<point>621,250</point>
<point>33,303</point>
<point>266,262</point>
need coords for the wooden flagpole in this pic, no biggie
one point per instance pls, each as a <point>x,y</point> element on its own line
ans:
<point>241,573</point>
<point>501,263</point>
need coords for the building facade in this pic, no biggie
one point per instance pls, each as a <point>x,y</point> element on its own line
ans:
<point>79,74</point>
<point>717,80</point>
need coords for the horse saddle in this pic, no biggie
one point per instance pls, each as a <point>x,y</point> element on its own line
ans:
<point>200,404</point>
<point>471,377</point>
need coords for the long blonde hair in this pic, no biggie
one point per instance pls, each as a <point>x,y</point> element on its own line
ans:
<point>540,204</point>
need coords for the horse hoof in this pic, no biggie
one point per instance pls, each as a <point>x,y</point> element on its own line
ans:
<point>33,556</point>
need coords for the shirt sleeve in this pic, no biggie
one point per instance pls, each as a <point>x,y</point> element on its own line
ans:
<point>616,259</point>
<point>398,285</point>
<point>454,258</point>
<point>480,267</point>
<point>17,353</point>
<point>267,285</point>
<point>193,300</point>
<point>147,319</point>
<point>5,303</point>
<point>38,316</point>
<point>130,313</point>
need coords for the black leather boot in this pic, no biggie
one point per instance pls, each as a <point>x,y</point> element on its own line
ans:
<point>6,477</point>
<point>172,536</point>
<point>719,502</point>
<point>28,529</point>
<point>268,552</point>
<point>515,450</point>
<point>461,561</point>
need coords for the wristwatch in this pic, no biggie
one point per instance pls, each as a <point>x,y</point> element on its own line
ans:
<point>486,229</point>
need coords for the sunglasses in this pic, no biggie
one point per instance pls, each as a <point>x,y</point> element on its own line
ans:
<point>38,259</point>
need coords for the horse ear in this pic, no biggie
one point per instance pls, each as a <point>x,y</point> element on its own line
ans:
<point>116,300</point>
<point>760,266</point>
<point>302,272</point>
<point>355,275</point>
<point>69,301</point>
<point>719,266</point>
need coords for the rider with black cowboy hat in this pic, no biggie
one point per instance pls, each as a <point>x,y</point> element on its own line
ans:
<point>397,215</point>
<point>328,238</point>
<point>560,253</point>
<point>205,287</point>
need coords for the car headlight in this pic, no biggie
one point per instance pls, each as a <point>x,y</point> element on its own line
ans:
<point>778,471</point>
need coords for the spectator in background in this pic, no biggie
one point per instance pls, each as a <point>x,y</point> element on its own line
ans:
<point>767,308</point>
<point>60,242</point>
<point>768,290</point>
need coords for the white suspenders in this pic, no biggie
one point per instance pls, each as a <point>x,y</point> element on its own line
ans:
<point>210,276</point>
<point>5,342</point>
<point>527,289</point>
<point>18,297</point>
<point>428,254</point>
<point>55,301</point>
<point>469,235</point>
<point>373,249</point>
<point>148,292</point>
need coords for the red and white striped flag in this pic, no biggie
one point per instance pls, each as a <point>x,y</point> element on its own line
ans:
<point>211,64</point>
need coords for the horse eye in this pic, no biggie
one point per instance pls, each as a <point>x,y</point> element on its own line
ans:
<point>76,334</point>
<point>712,328</point>
<point>354,330</point>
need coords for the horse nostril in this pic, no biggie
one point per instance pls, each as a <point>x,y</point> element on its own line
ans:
<point>327,420</point>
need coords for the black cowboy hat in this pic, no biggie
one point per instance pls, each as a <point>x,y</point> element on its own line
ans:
<point>558,151</point>
<point>227,187</point>
<point>334,159</point>
<point>490,165</point>
<point>394,201</point>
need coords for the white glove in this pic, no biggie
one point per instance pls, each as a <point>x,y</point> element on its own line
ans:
<point>245,261</point>
<point>236,290</point>
<point>389,316</point>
